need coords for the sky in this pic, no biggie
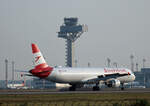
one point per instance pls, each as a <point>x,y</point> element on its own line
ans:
<point>116,29</point>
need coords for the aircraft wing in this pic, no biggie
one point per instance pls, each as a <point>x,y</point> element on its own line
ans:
<point>103,77</point>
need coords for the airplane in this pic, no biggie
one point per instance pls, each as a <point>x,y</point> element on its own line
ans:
<point>77,77</point>
<point>17,86</point>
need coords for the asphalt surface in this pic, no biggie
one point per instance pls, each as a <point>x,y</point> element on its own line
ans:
<point>79,91</point>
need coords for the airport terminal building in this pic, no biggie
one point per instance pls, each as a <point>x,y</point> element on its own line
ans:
<point>143,77</point>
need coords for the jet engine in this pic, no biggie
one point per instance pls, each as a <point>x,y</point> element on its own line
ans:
<point>113,83</point>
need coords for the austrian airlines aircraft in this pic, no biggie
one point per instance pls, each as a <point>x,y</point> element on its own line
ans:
<point>77,77</point>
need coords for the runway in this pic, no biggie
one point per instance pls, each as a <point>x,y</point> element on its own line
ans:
<point>79,91</point>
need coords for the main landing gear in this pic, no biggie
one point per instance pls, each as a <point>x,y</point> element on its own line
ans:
<point>122,86</point>
<point>96,87</point>
<point>72,88</point>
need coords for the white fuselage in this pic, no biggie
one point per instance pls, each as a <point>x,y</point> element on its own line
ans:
<point>78,75</point>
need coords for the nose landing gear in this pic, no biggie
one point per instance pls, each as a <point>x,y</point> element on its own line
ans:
<point>96,87</point>
<point>122,86</point>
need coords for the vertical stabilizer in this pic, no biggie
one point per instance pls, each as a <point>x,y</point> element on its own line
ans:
<point>38,57</point>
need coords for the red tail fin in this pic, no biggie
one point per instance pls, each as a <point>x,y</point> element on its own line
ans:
<point>38,57</point>
<point>41,70</point>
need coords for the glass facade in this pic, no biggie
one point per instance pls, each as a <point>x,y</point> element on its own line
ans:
<point>143,77</point>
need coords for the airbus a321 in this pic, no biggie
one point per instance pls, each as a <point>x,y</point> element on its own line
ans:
<point>77,77</point>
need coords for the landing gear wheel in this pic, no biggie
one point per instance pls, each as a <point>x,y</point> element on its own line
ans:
<point>96,88</point>
<point>122,86</point>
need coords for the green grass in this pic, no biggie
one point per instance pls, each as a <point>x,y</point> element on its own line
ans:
<point>102,99</point>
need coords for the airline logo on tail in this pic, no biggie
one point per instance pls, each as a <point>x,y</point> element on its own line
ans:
<point>37,58</point>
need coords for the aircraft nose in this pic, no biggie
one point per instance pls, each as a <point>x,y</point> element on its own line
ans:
<point>133,76</point>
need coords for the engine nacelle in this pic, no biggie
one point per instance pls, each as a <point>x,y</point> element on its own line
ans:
<point>113,83</point>
<point>60,86</point>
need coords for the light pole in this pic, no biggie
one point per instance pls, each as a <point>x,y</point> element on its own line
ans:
<point>132,63</point>
<point>144,60</point>
<point>13,69</point>
<point>108,62</point>
<point>6,73</point>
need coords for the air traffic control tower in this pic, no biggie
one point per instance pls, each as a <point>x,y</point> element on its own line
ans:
<point>71,31</point>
